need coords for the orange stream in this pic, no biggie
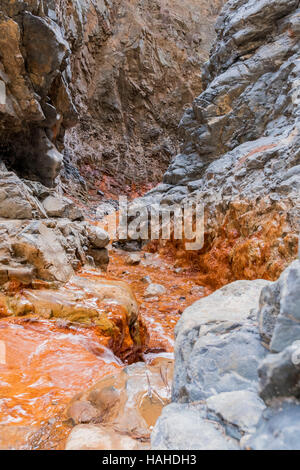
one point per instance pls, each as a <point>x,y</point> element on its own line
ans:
<point>46,364</point>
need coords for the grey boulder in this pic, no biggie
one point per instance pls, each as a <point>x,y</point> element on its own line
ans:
<point>185,427</point>
<point>210,337</point>
<point>278,429</point>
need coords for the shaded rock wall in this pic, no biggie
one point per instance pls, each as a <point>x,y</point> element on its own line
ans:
<point>123,70</point>
<point>132,90</point>
<point>33,55</point>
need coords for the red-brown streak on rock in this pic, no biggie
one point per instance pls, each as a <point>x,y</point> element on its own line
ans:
<point>257,150</point>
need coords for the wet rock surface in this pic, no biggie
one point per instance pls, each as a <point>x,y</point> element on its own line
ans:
<point>108,306</point>
<point>97,87</point>
<point>121,410</point>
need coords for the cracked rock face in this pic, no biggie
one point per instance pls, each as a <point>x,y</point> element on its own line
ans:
<point>241,157</point>
<point>217,353</point>
<point>42,234</point>
<point>137,66</point>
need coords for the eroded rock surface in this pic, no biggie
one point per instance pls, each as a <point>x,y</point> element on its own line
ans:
<point>136,65</point>
<point>123,70</point>
<point>43,235</point>
<point>209,339</point>
<point>108,306</point>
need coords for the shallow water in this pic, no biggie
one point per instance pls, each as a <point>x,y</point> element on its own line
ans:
<point>44,363</point>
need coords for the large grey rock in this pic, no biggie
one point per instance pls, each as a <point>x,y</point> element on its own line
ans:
<point>46,49</point>
<point>218,347</point>
<point>287,328</point>
<point>16,199</point>
<point>98,237</point>
<point>154,290</point>
<point>63,207</point>
<point>185,427</point>
<point>279,309</point>
<point>280,374</point>
<point>268,311</point>
<point>278,429</point>
<point>238,411</point>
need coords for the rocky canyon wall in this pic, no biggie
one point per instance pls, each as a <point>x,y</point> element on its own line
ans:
<point>131,86</point>
<point>240,152</point>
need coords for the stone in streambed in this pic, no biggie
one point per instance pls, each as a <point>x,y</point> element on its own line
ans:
<point>92,437</point>
<point>133,259</point>
<point>154,290</point>
<point>82,412</point>
<point>128,402</point>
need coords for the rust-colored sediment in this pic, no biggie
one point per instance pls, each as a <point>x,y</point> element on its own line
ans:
<point>251,241</point>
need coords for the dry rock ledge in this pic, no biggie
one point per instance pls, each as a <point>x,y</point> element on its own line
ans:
<point>43,235</point>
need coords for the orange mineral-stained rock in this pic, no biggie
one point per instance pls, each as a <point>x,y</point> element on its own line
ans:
<point>247,240</point>
<point>107,306</point>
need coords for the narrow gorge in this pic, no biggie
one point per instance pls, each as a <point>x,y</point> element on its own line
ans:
<point>133,340</point>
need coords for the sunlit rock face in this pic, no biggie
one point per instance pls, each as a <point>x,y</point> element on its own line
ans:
<point>240,151</point>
